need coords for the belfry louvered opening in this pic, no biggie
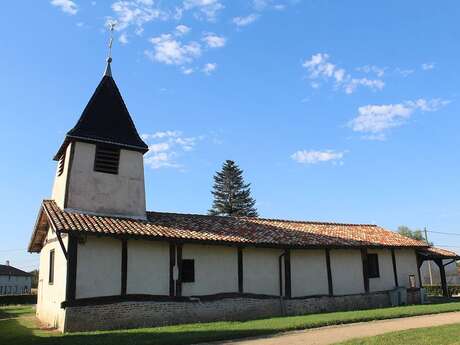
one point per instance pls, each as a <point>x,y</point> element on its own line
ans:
<point>107,159</point>
<point>61,164</point>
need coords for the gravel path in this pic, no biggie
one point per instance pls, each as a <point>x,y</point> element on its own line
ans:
<point>335,334</point>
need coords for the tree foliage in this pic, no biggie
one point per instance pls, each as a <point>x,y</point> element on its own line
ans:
<point>232,196</point>
<point>415,234</point>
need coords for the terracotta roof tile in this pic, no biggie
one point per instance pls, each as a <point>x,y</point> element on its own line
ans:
<point>232,230</point>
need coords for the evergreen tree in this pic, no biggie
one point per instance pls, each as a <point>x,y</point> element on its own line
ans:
<point>232,196</point>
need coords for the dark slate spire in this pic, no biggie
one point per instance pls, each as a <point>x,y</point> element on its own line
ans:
<point>106,118</point>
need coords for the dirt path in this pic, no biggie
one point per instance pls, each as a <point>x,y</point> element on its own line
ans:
<point>335,334</point>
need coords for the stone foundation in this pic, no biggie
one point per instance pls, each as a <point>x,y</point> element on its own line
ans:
<point>127,314</point>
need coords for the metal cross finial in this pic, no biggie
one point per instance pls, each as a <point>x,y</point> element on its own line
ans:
<point>108,70</point>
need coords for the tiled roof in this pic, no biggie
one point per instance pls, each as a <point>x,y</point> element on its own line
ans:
<point>231,230</point>
<point>434,252</point>
<point>7,270</point>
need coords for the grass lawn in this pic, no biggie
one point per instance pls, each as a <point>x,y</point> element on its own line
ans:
<point>22,329</point>
<point>440,335</point>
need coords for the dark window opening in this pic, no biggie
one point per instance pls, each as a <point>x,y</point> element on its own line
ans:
<point>373,266</point>
<point>188,271</point>
<point>107,159</point>
<point>51,268</point>
<point>61,164</point>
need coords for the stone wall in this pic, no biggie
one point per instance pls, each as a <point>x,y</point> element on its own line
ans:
<point>152,313</point>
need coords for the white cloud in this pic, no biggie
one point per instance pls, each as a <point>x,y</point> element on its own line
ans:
<point>214,41</point>
<point>165,147</point>
<point>169,50</point>
<point>427,66</point>
<point>187,70</point>
<point>320,68</point>
<point>207,8</point>
<point>66,6</point>
<point>244,21</point>
<point>314,157</point>
<point>378,71</point>
<point>182,30</point>
<point>123,39</point>
<point>404,72</point>
<point>135,12</point>
<point>375,119</point>
<point>209,68</point>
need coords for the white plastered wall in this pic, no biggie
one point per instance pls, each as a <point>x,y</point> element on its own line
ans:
<point>308,272</point>
<point>386,281</point>
<point>148,267</point>
<point>261,270</point>
<point>50,296</point>
<point>98,267</point>
<point>216,269</point>
<point>406,265</point>
<point>121,194</point>
<point>59,186</point>
<point>347,271</point>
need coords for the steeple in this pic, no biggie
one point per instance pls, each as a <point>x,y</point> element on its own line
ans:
<point>105,118</point>
<point>101,167</point>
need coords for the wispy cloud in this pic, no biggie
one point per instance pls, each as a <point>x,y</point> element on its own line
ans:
<point>378,71</point>
<point>213,41</point>
<point>66,6</point>
<point>166,147</point>
<point>320,68</point>
<point>374,120</point>
<point>182,30</point>
<point>315,157</point>
<point>244,21</point>
<point>123,39</point>
<point>428,66</point>
<point>405,72</point>
<point>169,50</point>
<point>209,68</point>
<point>206,9</point>
<point>135,13</point>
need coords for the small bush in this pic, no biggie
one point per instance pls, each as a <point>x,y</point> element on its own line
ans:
<point>18,299</point>
<point>436,290</point>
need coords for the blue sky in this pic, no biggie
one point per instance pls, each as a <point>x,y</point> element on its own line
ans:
<point>336,110</point>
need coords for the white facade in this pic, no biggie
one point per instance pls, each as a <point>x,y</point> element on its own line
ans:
<point>309,273</point>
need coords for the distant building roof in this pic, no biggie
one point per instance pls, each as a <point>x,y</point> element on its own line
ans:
<point>217,229</point>
<point>105,119</point>
<point>438,253</point>
<point>6,270</point>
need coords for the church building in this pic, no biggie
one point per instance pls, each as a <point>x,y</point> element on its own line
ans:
<point>108,263</point>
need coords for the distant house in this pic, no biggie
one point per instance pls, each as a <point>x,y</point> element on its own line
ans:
<point>14,281</point>
<point>106,262</point>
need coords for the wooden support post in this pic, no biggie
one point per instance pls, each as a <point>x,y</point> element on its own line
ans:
<point>240,270</point>
<point>419,264</point>
<point>72,251</point>
<point>179,268</point>
<point>395,271</point>
<point>172,262</point>
<point>329,272</point>
<point>365,270</point>
<point>442,271</point>
<point>287,273</point>
<point>124,266</point>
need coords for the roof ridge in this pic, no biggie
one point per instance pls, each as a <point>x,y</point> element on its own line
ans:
<point>260,218</point>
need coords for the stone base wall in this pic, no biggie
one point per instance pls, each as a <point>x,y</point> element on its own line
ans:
<point>153,313</point>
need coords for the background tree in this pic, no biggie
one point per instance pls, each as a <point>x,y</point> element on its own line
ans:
<point>34,274</point>
<point>232,196</point>
<point>415,234</point>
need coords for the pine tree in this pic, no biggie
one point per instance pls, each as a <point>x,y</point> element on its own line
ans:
<point>232,196</point>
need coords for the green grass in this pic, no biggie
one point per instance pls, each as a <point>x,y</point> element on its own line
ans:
<point>23,329</point>
<point>440,335</point>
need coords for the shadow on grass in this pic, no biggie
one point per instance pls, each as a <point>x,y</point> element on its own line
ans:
<point>15,332</point>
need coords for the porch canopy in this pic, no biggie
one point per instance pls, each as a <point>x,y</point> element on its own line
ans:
<point>438,255</point>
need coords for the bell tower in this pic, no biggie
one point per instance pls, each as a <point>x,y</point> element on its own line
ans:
<point>100,165</point>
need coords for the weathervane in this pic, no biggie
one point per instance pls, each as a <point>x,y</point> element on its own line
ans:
<point>108,70</point>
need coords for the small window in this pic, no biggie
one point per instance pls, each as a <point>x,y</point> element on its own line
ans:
<point>373,266</point>
<point>61,164</point>
<point>51,269</point>
<point>188,271</point>
<point>107,159</point>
